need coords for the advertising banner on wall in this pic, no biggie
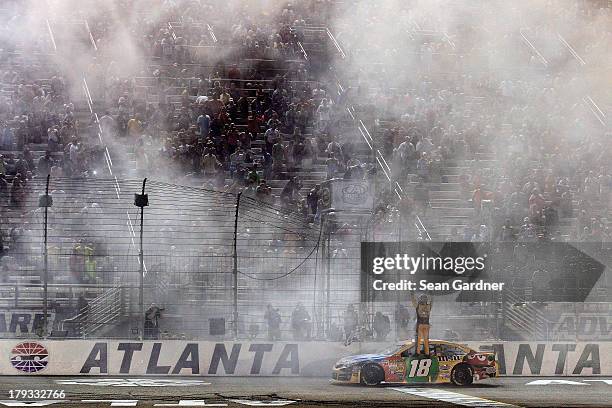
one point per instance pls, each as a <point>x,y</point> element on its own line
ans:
<point>580,321</point>
<point>183,358</point>
<point>20,322</point>
<point>347,195</point>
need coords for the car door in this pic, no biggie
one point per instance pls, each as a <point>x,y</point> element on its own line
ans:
<point>420,369</point>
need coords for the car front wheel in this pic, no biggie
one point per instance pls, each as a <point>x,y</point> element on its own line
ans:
<point>372,374</point>
<point>462,375</point>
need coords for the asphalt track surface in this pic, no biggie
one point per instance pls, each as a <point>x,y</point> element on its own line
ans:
<point>305,392</point>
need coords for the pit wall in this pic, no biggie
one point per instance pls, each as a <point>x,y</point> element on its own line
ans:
<point>171,357</point>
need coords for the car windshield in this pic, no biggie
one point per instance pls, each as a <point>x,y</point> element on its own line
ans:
<point>391,349</point>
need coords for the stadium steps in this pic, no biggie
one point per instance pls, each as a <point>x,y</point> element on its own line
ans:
<point>455,203</point>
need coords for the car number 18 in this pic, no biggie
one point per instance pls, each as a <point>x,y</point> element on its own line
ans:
<point>419,368</point>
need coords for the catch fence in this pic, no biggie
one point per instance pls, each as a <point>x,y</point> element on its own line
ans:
<point>211,261</point>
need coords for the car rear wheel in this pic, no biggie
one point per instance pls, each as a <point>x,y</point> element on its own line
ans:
<point>462,375</point>
<point>372,374</point>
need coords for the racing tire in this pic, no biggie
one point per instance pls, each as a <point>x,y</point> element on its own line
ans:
<point>372,374</point>
<point>462,375</point>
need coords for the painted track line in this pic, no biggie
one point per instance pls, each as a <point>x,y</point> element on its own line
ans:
<point>453,397</point>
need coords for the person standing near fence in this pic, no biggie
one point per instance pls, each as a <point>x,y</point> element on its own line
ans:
<point>151,323</point>
<point>382,326</point>
<point>301,323</point>
<point>350,321</point>
<point>273,319</point>
<point>402,319</point>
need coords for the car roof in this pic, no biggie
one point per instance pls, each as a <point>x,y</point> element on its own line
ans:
<point>411,342</point>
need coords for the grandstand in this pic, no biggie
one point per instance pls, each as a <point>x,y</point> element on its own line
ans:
<point>241,118</point>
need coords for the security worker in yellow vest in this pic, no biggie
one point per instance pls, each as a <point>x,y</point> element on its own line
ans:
<point>82,262</point>
<point>90,262</point>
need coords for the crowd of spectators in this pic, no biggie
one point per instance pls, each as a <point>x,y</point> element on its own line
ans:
<point>531,156</point>
<point>39,133</point>
<point>250,118</point>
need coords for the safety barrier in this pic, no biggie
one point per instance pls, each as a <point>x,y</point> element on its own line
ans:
<point>75,357</point>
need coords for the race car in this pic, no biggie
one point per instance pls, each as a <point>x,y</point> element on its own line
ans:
<point>446,363</point>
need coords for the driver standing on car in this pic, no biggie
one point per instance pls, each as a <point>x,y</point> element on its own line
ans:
<point>423,309</point>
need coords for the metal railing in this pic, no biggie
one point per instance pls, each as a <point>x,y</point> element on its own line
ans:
<point>105,311</point>
<point>525,316</point>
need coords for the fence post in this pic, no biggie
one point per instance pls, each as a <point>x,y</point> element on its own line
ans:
<point>141,201</point>
<point>235,271</point>
<point>45,201</point>
<point>327,254</point>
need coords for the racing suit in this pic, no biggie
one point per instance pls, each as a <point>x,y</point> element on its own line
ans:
<point>423,309</point>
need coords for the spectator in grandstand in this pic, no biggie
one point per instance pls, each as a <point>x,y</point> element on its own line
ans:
<point>204,125</point>
<point>454,235</point>
<point>279,156</point>
<point>44,164</point>
<point>22,166</point>
<point>211,166</point>
<point>273,320</point>
<point>290,194</point>
<point>313,198</point>
<point>333,166</point>
<point>74,150</point>
<point>7,137</point>
<point>421,198</point>
<point>423,166</point>
<point>237,159</point>
<point>108,124</point>
<point>507,232</point>
<point>18,193</point>
<point>135,128</point>
<point>324,114</point>
<point>4,191</point>
<point>263,192</point>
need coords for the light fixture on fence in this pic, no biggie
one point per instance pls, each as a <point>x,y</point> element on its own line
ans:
<point>45,200</point>
<point>141,200</point>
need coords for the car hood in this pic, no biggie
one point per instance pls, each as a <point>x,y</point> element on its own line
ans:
<point>360,358</point>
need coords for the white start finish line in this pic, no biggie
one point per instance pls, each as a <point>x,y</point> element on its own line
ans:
<point>131,382</point>
<point>453,397</point>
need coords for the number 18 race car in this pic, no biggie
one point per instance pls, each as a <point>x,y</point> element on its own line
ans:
<point>446,363</point>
